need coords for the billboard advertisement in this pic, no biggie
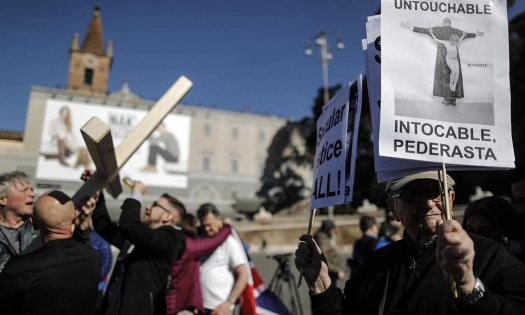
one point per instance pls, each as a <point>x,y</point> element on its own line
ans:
<point>161,161</point>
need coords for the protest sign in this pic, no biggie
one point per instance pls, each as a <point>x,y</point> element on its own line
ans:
<point>354,115</point>
<point>444,83</point>
<point>373,61</point>
<point>330,154</point>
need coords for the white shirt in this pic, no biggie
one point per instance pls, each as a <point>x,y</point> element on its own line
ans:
<point>216,276</point>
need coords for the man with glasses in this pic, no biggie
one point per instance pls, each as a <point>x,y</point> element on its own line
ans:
<point>413,275</point>
<point>149,246</point>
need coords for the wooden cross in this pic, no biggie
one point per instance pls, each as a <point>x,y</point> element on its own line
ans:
<point>109,160</point>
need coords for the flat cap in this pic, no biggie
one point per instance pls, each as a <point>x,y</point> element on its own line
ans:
<point>401,182</point>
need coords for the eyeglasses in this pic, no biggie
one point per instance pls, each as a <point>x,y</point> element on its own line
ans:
<point>416,196</point>
<point>156,204</point>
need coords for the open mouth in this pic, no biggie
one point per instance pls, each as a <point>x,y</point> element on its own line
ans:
<point>31,203</point>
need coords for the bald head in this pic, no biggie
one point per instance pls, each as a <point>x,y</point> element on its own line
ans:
<point>54,213</point>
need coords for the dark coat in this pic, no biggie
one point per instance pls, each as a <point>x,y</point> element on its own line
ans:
<point>59,278</point>
<point>364,248</point>
<point>30,241</point>
<point>139,279</point>
<point>442,71</point>
<point>397,280</point>
<point>322,238</point>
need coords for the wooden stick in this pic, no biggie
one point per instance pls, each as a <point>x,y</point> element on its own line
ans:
<point>448,216</point>
<point>448,212</point>
<point>312,217</point>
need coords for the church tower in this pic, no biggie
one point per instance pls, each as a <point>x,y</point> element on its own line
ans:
<point>89,65</point>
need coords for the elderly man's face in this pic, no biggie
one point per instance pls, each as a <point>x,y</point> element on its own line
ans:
<point>21,198</point>
<point>418,207</point>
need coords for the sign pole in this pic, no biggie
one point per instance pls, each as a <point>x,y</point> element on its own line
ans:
<point>309,232</point>
<point>448,215</point>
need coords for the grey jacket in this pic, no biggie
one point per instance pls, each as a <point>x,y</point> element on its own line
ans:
<point>27,235</point>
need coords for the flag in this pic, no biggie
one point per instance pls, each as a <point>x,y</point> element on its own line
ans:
<point>257,298</point>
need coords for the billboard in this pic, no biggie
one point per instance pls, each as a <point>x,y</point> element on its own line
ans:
<point>161,161</point>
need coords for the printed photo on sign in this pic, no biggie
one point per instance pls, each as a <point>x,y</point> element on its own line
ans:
<point>448,76</point>
<point>161,161</point>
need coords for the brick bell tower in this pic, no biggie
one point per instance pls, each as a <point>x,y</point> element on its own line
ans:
<point>89,65</point>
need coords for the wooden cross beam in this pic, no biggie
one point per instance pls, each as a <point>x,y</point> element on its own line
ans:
<point>109,160</point>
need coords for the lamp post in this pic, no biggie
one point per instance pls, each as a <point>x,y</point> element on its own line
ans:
<point>321,40</point>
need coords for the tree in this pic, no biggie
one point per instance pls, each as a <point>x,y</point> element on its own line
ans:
<point>288,169</point>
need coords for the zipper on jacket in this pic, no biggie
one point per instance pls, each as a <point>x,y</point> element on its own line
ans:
<point>412,263</point>
<point>151,303</point>
<point>410,273</point>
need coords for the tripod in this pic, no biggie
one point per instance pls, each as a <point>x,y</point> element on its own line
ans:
<point>283,275</point>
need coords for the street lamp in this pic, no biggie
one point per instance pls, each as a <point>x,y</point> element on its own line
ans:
<point>321,40</point>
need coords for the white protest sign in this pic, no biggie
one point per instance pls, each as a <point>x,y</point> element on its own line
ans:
<point>444,82</point>
<point>388,168</point>
<point>373,59</point>
<point>330,154</point>
<point>354,115</point>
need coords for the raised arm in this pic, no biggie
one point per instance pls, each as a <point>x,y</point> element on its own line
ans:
<point>442,42</point>
<point>104,226</point>
<point>201,247</point>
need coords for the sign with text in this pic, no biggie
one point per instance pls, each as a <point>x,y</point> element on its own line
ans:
<point>445,93</point>
<point>388,168</point>
<point>161,161</point>
<point>330,154</point>
<point>354,116</point>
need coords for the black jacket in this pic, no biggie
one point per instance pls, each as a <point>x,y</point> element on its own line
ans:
<point>59,278</point>
<point>30,241</point>
<point>139,279</point>
<point>397,281</point>
<point>364,248</point>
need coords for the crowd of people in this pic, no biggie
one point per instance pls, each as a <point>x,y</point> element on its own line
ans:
<point>55,258</point>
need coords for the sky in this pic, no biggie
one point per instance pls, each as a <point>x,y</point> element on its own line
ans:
<point>240,55</point>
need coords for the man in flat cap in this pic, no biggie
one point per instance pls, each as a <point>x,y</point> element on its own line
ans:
<point>412,276</point>
<point>59,278</point>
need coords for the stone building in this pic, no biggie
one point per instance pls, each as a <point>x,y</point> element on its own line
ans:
<point>226,151</point>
